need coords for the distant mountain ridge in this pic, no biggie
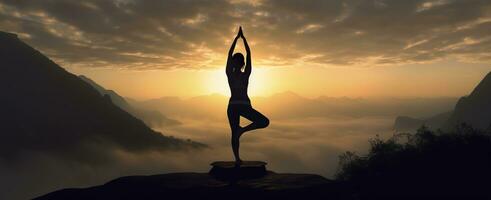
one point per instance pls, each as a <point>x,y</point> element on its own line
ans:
<point>213,106</point>
<point>473,110</point>
<point>150,117</point>
<point>115,98</point>
<point>46,109</point>
<point>406,123</point>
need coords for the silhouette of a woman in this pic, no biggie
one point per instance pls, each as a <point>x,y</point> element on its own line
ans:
<point>239,103</point>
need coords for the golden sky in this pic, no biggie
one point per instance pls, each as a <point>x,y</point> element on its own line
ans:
<point>357,48</point>
<point>445,78</point>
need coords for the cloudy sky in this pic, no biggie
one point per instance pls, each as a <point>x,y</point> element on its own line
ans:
<point>355,48</point>
<point>333,48</point>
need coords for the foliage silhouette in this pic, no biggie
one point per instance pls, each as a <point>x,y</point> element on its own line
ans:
<point>426,163</point>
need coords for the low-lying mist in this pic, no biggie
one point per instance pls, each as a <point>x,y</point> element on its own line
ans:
<point>304,136</point>
<point>308,145</point>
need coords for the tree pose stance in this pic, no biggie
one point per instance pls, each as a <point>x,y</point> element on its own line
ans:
<point>239,103</point>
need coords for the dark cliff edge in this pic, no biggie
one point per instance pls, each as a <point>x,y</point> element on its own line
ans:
<point>475,109</point>
<point>204,186</point>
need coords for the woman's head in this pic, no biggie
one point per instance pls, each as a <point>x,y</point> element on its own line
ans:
<point>238,61</point>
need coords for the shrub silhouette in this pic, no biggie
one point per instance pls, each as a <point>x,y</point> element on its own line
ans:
<point>427,163</point>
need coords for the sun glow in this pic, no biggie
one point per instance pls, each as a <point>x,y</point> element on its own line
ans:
<point>216,82</point>
<point>308,81</point>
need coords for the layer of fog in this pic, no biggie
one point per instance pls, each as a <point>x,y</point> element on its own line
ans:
<point>305,136</point>
<point>309,145</point>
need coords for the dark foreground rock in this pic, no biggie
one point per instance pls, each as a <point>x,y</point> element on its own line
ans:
<point>205,186</point>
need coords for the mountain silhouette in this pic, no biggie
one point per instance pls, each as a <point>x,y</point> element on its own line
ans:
<point>46,109</point>
<point>213,106</point>
<point>473,110</point>
<point>115,97</point>
<point>150,117</point>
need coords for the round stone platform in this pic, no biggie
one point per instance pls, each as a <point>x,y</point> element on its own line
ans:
<point>228,170</point>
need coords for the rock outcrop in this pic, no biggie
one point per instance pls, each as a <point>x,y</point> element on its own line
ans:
<point>475,109</point>
<point>205,186</point>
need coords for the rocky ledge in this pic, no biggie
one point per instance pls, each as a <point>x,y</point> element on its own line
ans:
<point>266,185</point>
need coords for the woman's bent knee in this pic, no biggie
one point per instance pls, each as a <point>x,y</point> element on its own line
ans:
<point>264,123</point>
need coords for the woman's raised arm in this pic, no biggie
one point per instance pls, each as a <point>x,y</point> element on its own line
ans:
<point>228,68</point>
<point>248,67</point>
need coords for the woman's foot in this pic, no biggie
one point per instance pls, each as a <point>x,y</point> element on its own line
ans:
<point>238,162</point>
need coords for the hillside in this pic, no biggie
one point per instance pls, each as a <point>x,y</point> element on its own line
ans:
<point>475,109</point>
<point>46,109</point>
<point>150,117</point>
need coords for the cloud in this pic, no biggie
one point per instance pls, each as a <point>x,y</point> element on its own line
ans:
<point>134,34</point>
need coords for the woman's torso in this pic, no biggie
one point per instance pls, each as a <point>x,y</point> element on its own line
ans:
<point>238,84</point>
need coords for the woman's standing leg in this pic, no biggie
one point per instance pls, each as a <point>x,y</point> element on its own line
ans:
<point>234,121</point>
